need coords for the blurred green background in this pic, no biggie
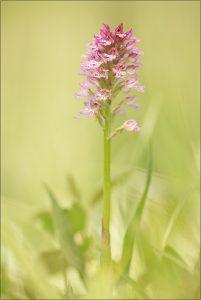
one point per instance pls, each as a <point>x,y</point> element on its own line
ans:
<point>42,44</point>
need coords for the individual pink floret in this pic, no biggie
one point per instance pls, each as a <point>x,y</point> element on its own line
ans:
<point>131,125</point>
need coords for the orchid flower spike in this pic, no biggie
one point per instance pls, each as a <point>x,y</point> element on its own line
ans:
<point>111,67</point>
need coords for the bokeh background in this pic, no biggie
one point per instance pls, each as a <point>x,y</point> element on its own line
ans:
<point>42,44</point>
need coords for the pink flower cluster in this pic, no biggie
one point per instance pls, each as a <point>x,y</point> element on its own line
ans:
<point>111,66</point>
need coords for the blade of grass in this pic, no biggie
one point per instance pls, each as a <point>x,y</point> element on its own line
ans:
<point>73,188</point>
<point>132,230</point>
<point>139,289</point>
<point>171,254</point>
<point>174,217</point>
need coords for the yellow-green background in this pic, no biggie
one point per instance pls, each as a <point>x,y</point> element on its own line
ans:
<point>42,44</point>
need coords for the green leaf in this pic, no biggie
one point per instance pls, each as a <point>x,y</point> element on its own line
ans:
<point>132,230</point>
<point>85,245</point>
<point>76,217</point>
<point>54,261</point>
<point>46,220</point>
<point>63,230</point>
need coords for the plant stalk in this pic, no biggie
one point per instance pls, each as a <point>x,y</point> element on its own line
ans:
<point>106,249</point>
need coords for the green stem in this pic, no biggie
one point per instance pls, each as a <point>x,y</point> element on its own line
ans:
<point>106,251</point>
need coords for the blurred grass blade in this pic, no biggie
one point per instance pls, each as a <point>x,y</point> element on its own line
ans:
<point>142,201</point>
<point>73,188</point>
<point>175,257</point>
<point>132,230</point>
<point>69,291</point>
<point>197,279</point>
<point>62,227</point>
<point>139,289</point>
<point>175,215</point>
